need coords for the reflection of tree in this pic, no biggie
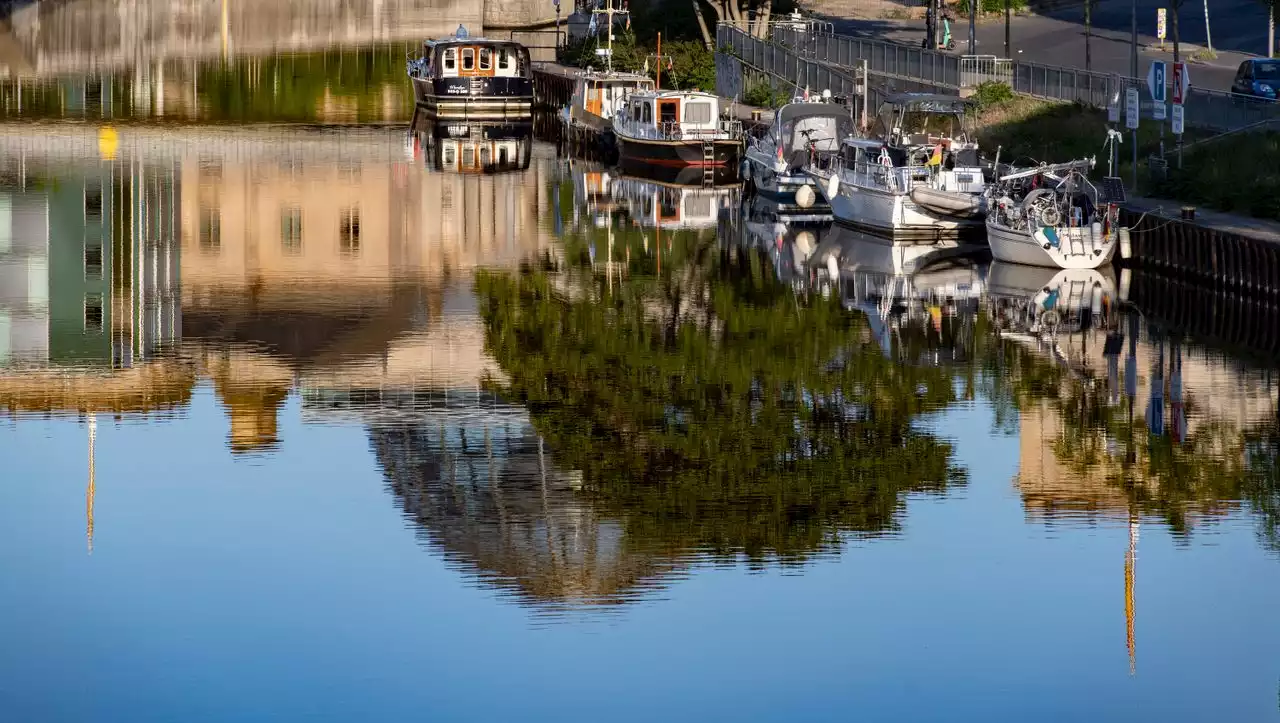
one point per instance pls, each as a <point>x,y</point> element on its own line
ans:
<point>763,424</point>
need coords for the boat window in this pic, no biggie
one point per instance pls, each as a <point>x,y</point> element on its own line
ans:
<point>468,156</point>
<point>823,131</point>
<point>450,154</point>
<point>504,156</point>
<point>635,111</point>
<point>468,59</point>
<point>668,208</point>
<point>697,207</point>
<point>648,113</point>
<point>697,113</point>
<point>486,156</point>
<point>451,59</point>
<point>486,59</point>
<point>668,111</point>
<point>504,59</point>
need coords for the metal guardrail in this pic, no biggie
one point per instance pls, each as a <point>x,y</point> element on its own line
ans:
<point>776,60</point>
<point>978,69</point>
<point>904,62</point>
<point>1204,109</point>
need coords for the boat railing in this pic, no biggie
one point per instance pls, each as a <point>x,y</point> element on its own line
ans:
<point>676,131</point>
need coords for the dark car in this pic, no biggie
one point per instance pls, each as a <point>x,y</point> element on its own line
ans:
<point>1258,77</point>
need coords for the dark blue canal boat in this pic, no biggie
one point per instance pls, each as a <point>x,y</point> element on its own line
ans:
<point>473,79</point>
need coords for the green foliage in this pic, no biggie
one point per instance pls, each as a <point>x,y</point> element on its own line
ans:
<point>306,87</point>
<point>1212,175</point>
<point>987,7</point>
<point>710,406</point>
<point>627,54</point>
<point>991,94</point>
<point>764,95</point>
<point>692,66</point>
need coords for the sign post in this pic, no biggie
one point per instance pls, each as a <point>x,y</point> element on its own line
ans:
<point>1181,84</point>
<point>1156,86</point>
<point>1132,107</point>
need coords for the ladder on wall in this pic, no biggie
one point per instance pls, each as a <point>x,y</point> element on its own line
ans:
<point>708,163</point>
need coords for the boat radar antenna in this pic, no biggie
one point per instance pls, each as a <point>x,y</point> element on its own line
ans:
<point>609,11</point>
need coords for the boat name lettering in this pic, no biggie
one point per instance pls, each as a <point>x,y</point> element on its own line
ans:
<point>457,90</point>
<point>964,178</point>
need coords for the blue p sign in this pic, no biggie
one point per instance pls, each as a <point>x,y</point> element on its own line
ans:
<point>1155,81</point>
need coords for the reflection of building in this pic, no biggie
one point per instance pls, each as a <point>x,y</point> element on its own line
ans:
<point>89,282</point>
<point>24,278</point>
<point>470,473</point>
<point>1068,469</point>
<point>338,274</point>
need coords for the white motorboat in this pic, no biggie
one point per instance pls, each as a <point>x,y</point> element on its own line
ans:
<point>1051,216</point>
<point>900,285</point>
<point>653,204</point>
<point>597,95</point>
<point>774,162</point>
<point>917,178</point>
<point>675,129</point>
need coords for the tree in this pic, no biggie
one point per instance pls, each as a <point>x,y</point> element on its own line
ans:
<point>1088,35</point>
<point>751,16</point>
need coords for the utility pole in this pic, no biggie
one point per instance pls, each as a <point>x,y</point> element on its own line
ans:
<point>973,26</point>
<point>1008,45</point>
<point>1133,76</point>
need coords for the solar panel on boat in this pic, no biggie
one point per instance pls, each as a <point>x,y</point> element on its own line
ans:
<point>1112,190</point>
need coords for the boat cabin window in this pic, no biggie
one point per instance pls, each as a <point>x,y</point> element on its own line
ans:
<point>668,111</point>
<point>451,59</point>
<point>468,59</point>
<point>823,131</point>
<point>486,59</point>
<point>697,207</point>
<point>668,208</point>
<point>648,113</point>
<point>697,113</point>
<point>635,111</point>
<point>504,59</point>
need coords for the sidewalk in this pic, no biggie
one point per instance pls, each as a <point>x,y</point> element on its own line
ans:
<point>1256,228</point>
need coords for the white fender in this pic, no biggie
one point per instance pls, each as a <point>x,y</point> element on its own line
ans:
<point>804,196</point>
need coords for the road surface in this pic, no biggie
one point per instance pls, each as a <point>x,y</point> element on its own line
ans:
<point>1058,38</point>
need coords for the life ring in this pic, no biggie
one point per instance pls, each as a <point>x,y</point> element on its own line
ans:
<point>1050,216</point>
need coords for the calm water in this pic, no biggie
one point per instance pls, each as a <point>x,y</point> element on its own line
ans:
<point>325,424</point>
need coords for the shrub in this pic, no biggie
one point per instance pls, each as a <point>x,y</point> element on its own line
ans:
<point>764,95</point>
<point>986,7</point>
<point>992,94</point>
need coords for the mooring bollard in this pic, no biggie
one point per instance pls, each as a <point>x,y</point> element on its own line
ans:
<point>1188,213</point>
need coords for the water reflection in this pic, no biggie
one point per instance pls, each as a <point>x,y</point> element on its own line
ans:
<point>578,385</point>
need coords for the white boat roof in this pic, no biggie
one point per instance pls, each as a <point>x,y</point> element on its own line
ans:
<point>659,94</point>
<point>598,75</point>
<point>864,142</point>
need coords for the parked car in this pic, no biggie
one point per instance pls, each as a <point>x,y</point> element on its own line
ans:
<point>1258,77</point>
